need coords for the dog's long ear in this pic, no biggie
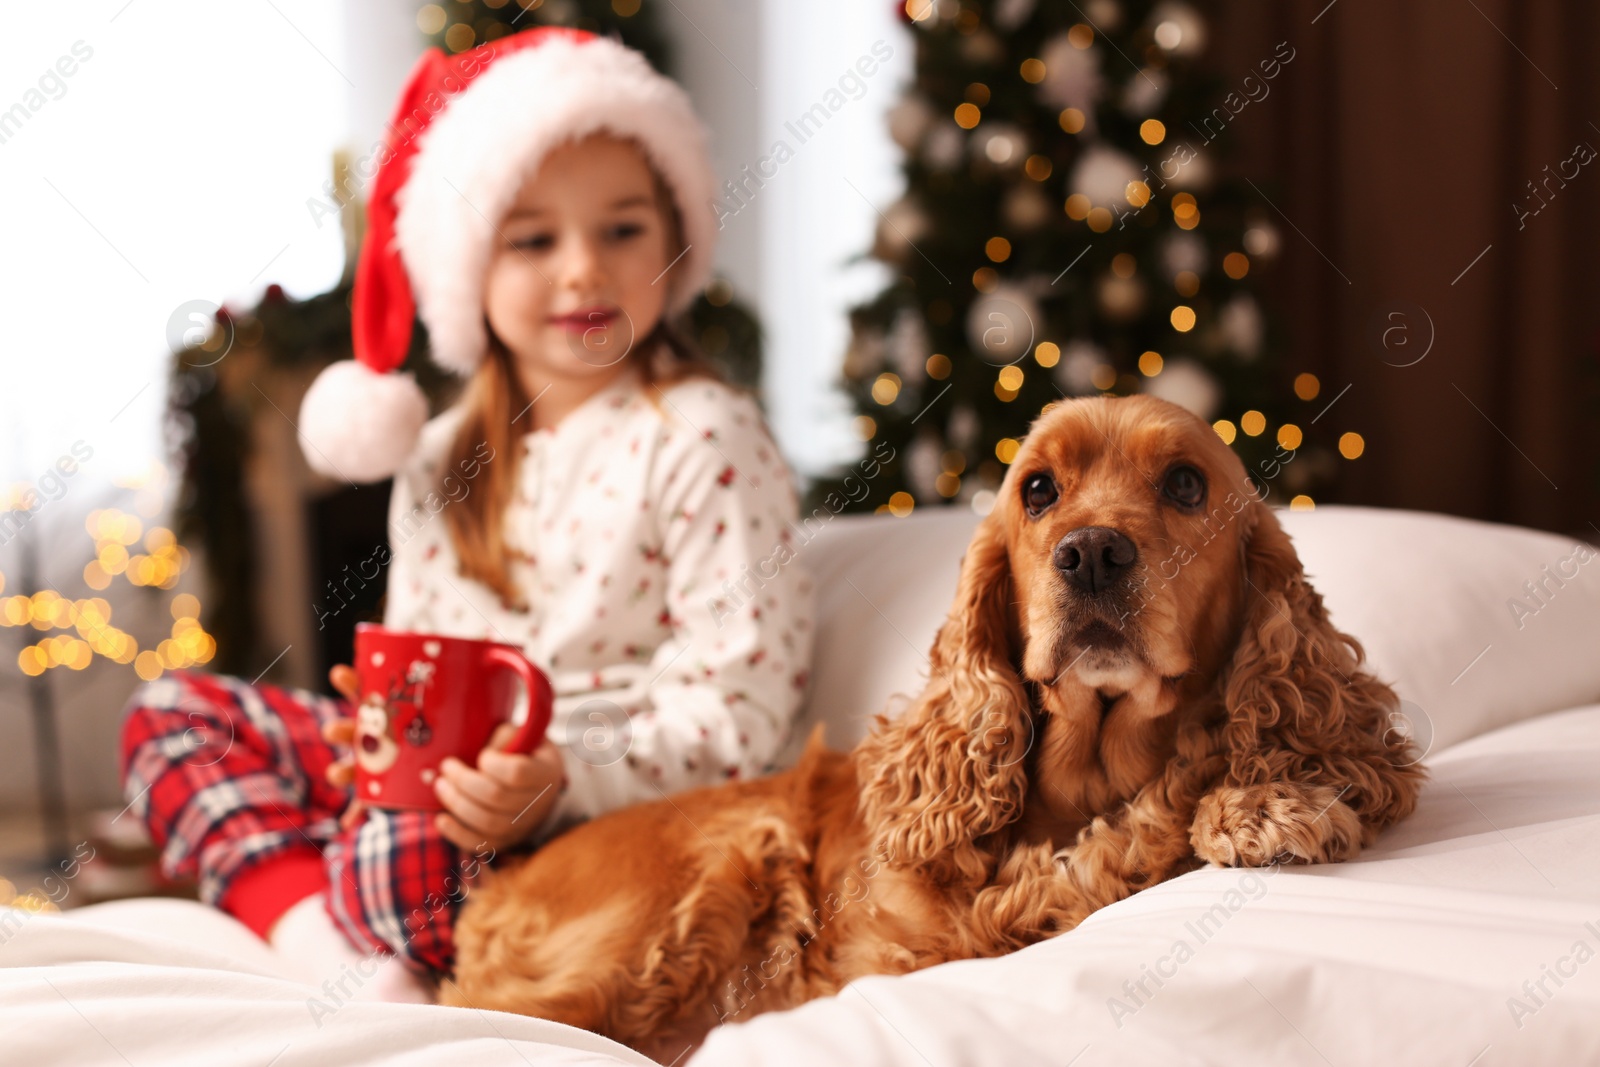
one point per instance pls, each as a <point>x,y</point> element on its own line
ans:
<point>1300,706</point>
<point>949,770</point>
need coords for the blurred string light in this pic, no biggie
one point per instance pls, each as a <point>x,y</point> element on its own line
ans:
<point>1254,423</point>
<point>1008,383</point>
<point>464,33</point>
<point>85,623</point>
<point>900,505</point>
<point>953,463</point>
<point>886,388</point>
<point>31,902</point>
<point>114,532</point>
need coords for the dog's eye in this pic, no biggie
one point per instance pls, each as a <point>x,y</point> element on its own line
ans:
<point>1186,486</point>
<point>1038,493</point>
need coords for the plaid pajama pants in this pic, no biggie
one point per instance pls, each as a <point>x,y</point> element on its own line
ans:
<point>229,779</point>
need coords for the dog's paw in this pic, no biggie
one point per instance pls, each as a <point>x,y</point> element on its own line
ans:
<point>1280,822</point>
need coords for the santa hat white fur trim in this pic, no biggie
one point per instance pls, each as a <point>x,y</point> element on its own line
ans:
<point>473,157</point>
<point>360,426</point>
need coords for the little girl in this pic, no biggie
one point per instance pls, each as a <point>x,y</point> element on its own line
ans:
<point>597,497</point>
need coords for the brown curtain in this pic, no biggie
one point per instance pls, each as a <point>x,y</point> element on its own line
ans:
<point>1399,144</point>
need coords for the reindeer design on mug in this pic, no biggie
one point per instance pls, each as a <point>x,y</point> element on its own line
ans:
<point>376,750</point>
<point>375,746</point>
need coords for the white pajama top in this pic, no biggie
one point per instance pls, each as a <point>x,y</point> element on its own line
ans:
<point>654,553</point>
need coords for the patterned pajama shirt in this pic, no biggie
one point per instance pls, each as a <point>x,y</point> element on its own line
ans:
<point>653,542</point>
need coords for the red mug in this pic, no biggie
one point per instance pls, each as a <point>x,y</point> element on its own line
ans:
<point>423,697</point>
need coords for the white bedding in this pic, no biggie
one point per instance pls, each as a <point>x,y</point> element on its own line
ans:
<point>1408,955</point>
<point>1416,953</point>
<point>1411,954</point>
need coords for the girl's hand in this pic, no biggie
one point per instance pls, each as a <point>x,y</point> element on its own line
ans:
<point>504,800</point>
<point>342,771</point>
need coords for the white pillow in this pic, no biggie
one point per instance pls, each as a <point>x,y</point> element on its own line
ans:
<point>1428,596</point>
<point>884,586</point>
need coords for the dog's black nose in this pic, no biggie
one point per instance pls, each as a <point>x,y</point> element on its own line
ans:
<point>1093,557</point>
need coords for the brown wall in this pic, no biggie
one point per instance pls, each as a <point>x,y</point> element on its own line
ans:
<point>1398,140</point>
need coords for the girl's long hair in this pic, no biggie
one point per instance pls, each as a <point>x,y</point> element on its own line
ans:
<point>496,407</point>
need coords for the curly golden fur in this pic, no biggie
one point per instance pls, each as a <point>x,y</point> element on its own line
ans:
<point>1083,734</point>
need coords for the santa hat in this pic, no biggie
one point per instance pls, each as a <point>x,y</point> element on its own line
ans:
<point>467,131</point>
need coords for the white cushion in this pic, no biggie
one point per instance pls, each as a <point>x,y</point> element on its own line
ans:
<point>1429,596</point>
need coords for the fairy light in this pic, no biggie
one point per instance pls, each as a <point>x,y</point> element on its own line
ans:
<point>430,19</point>
<point>93,632</point>
<point>1185,211</point>
<point>886,388</point>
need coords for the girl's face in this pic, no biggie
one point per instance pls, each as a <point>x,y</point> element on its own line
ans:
<point>580,274</point>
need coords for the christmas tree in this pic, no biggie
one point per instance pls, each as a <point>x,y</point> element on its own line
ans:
<point>1067,230</point>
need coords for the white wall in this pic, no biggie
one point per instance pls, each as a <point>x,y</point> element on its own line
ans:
<point>174,166</point>
<point>752,69</point>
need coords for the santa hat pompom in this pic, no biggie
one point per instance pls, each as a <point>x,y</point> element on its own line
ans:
<point>358,425</point>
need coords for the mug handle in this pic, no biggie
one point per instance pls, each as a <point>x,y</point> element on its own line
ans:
<point>540,699</point>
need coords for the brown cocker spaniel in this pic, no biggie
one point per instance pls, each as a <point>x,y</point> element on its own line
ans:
<point>1135,679</point>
